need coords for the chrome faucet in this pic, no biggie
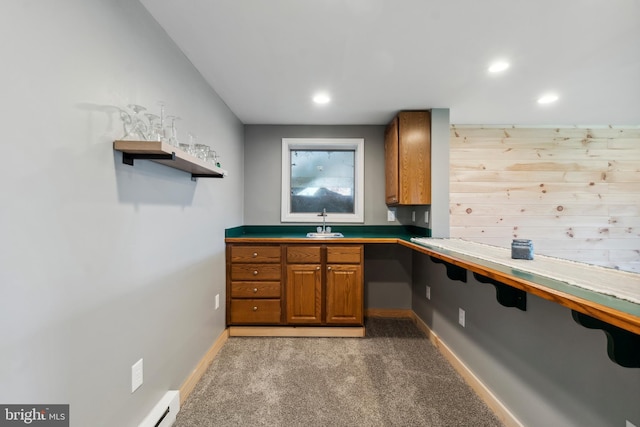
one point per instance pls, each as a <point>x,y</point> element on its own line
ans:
<point>324,218</point>
<point>324,231</point>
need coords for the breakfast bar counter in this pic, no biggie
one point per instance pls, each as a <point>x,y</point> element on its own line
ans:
<point>617,313</point>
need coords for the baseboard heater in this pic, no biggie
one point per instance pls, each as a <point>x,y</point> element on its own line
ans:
<point>165,411</point>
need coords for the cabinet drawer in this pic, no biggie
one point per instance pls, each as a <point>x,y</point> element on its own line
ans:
<point>255,311</point>
<point>344,254</point>
<point>255,272</point>
<point>255,289</point>
<point>303,254</point>
<point>255,254</point>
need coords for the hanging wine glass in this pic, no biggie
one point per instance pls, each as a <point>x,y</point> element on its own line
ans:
<point>153,132</point>
<point>139,128</point>
<point>126,123</point>
<point>173,139</point>
<point>136,108</point>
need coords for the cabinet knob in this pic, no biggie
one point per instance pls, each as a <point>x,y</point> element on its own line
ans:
<point>255,308</point>
<point>255,254</point>
<point>255,290</point>
<point>328,268</point>
<point>318,268</point>
<point>255,272</point>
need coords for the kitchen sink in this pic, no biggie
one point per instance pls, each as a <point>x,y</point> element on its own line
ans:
<point>324,235</point>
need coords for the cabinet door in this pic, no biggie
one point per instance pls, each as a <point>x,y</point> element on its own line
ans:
<point>414,158</point>
<point>344,294</point>
<point>391,162</point>
<point>304,293</point>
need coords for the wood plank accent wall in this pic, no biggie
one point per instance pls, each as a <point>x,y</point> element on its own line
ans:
<point>574,191</point>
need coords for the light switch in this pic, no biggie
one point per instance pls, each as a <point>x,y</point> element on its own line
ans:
<point>391,215</point>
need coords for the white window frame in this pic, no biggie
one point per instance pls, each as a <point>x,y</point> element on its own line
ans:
<point>320,144</point>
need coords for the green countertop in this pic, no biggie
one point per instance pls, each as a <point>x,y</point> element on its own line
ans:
<point>622,313</point>
<point>403,232</point>
<point>613,302</point>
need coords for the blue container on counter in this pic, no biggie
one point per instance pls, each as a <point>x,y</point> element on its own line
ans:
<point>522,249</point>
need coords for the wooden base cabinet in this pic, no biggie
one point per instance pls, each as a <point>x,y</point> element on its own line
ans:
<point>344,294</point>
<point>295,285</point>
<point>254,285</point>
<point>304,294</point>
<point>328,289</point>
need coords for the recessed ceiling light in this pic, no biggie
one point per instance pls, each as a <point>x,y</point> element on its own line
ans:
<point>498,66</point>
<point>548,98</point>
<point>321,98</point>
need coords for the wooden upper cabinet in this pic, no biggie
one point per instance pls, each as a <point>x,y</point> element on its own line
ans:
<point>407,147</point>
<point>391,162</point>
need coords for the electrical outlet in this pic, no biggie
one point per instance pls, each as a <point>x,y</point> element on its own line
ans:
<point>391,215</point>
<point>136,375</point>
<point>428,292</point>
<point>461,317</point>
<point>413,216</point>
<point>426,217</point>
<point>217,301</point>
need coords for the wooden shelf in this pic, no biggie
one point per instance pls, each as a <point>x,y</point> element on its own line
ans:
<point>168,155</point>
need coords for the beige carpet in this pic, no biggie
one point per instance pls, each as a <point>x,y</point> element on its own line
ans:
<point>392,377</point>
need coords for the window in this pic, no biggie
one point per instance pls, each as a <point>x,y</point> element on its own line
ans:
<point>322,174</point>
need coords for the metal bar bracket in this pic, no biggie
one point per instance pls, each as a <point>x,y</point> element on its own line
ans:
<point>453,271</point>
<point>623,347</point>
<point>195,176</point>
<point>506,295</point>
<point>128,158</point>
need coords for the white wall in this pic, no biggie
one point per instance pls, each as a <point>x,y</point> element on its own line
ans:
<point>101,263</point>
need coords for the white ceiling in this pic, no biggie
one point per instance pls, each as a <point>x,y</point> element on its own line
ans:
<point>266,58</point>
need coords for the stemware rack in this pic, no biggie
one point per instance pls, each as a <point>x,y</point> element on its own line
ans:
<point>168,155</point>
